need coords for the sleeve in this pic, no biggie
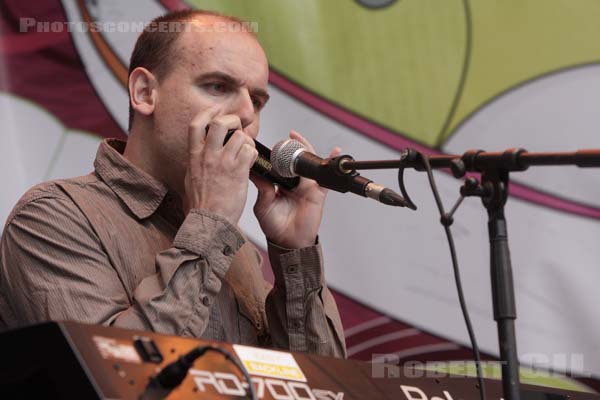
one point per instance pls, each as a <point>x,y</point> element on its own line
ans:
<point>54,267</point>
<point>301,311</point>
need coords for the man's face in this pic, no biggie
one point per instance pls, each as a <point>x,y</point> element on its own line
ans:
<point>226,70</point>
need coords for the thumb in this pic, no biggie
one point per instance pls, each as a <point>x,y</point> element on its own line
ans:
<point>266,193</point>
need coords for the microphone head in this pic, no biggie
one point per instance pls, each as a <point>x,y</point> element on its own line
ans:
<point>283,156</point>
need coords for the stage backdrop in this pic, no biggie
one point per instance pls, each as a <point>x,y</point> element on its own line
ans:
<point>373,77</point>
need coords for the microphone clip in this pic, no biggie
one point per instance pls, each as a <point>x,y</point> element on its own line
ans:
<point>333,175</point>
<point>368,188</point>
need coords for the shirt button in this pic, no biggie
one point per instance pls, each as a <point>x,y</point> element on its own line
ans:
<point>227,250</point>
<point>292,269</point>
<point>295,324</point>
<point>206,301</point>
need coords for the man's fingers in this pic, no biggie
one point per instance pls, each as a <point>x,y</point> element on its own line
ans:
<point>249,143</point>
<point>246,156</point>
<point>336,151</point>
<point>296,136</point>
<point>234,144</point>
<point>218,128</point>
<point>266,193</point>
<point>197,130</point>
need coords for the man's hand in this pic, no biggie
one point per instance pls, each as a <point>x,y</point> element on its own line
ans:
<point>291,219</point>
<point>216,179</point>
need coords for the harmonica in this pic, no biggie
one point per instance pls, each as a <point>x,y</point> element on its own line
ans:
<point>263,168</point>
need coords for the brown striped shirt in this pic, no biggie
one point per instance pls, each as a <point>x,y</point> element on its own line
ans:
<point>114,248</point>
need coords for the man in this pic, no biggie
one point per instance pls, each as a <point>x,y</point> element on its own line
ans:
<point>150,239</point>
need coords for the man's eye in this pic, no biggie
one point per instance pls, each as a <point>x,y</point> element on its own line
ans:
<point>258,104</point>
<point>217,87</point>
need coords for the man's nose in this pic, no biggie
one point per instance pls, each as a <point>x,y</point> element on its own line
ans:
<point>245,108</point>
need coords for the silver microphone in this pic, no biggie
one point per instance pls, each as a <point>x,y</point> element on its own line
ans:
<point>290,158</point>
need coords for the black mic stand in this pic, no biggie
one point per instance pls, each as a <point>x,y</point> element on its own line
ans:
<point>494,183</point>
<point>493,190</point>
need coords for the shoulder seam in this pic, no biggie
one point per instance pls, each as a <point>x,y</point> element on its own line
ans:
<point>43,194</point>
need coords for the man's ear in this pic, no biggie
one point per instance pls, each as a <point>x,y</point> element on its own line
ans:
<point>142,91</point>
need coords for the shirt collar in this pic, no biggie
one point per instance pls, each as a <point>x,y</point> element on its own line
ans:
<point>142,193</point>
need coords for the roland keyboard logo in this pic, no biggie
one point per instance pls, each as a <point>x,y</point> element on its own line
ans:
<point>230,385</point>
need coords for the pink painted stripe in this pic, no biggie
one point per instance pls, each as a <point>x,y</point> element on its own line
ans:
<point>398,142</point>
<point>569,206</point>
<point>175,5</point>
<point>367,325</point>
